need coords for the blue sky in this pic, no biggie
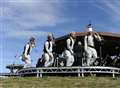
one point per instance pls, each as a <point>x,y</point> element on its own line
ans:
<point>21,19</point>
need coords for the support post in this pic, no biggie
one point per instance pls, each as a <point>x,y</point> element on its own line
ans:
<point>113,74</point>
<point>78,72</point>
<point>41,73</point>
<point>82,72</point>
<point>37,73</point>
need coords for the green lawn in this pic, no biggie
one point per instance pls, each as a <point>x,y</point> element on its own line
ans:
<point>60,82</point>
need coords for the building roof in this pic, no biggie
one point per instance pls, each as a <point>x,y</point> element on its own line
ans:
<point>104,34</point>
<point>111,41</point>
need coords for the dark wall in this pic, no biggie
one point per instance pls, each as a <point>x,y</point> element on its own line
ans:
<point>109,45</point>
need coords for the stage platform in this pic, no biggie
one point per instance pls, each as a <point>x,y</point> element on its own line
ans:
<point>80,71</point>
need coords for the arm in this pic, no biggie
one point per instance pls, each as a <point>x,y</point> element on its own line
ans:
<point>47,50</point>
<point>68,46</point>
<point>97,36</point>
<point>85,43</point>
<point>26,49</point>
<point>46,47</point>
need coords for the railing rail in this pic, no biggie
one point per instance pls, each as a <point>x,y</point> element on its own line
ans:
<point>79,70</point>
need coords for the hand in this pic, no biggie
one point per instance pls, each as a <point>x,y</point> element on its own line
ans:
<point>72,53</point>
<point>50,57</point>
<point>24,57</point>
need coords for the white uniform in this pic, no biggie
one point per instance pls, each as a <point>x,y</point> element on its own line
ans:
<point>26,55</point>
<point>69,52</point>
<point>89,48</point>
<point>49,59</point>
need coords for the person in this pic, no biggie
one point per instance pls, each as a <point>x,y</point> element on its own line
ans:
<point>89,46</point>
<point>40,62</point>
<point>78,50</point>
<point>26,53</point>
<point>69,53</point>
<point>48,51</point>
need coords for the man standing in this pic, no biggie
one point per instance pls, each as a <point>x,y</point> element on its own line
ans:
<point>78,50</point>
<point>48,49</point>
<point>26,53</point>
<point>69,53</point>
<point>90,50</point>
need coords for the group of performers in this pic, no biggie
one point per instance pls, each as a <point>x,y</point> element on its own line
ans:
<point>68,53</point>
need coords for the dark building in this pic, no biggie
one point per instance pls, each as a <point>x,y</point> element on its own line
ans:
<point>109,47</point>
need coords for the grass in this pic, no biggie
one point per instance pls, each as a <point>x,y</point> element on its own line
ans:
<point>60,82</point>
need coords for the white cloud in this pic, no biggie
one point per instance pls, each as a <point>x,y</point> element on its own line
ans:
<point>25,34</point>
<point>32,13</point>
<point>28,14</point>
<point>111,7</point>
<point>112,10</point>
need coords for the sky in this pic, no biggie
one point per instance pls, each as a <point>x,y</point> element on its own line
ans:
<point>21,19</point>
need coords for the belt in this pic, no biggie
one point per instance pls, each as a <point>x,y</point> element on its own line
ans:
<point>91,46</point>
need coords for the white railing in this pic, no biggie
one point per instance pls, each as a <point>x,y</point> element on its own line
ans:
<point>78,70</point>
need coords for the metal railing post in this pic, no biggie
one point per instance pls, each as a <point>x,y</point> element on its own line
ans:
<point>82,72</point>
<point>37,73</point>
<point>113,73</point>
<point>41,73</point>
<point>78,72</point>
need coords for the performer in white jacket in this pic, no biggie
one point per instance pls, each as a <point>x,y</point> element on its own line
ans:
<point>26,53</point>
<point>69,53</point>
<point>48,51</point>
<point>90,50</point>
